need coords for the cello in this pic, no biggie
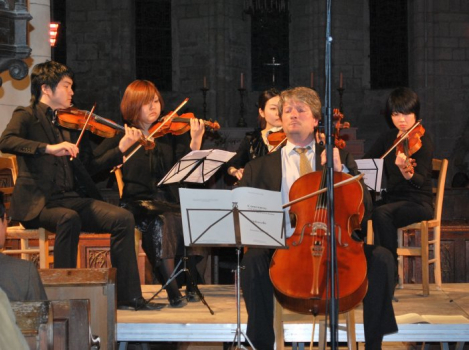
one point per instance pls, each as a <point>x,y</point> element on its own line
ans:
<point>299,274</point>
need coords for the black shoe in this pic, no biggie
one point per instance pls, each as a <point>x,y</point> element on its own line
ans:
<point>178,302</point>
<point>192,297</point>
<point>138,304</point>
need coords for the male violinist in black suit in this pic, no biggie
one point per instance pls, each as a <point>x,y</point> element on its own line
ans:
<point>300,111</point>
<point>54,189</point>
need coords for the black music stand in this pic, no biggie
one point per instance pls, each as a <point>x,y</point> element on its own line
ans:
<point>197,166</point>
<point>225,224</point>
<point>373,171</point>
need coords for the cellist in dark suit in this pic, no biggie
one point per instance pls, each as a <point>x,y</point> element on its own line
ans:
<point>54,189</point>
<point>300,111</point>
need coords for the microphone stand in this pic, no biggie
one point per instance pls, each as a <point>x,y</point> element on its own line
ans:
<point>333,305</point>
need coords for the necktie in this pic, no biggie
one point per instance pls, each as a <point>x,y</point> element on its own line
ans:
<point>305,165</point>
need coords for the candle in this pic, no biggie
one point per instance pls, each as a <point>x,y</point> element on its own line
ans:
<point>341,81</point>
<point>242,81</point>
<point>312,80</point>
<point>205,82</point>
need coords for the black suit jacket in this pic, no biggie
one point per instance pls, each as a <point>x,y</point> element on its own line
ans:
<point>266,172</point>
<point>26,135</point>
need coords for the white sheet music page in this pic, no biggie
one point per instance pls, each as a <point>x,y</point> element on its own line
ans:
<point>261,216</point>
<point>197,166</point>
<point>208,218</point>
<point>372,169</point>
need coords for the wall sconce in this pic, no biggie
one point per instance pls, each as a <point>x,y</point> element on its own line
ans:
<point>53,28</point>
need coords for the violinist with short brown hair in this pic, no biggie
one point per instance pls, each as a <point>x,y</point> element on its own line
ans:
<point>408,195</point>
<point>54,189</point>
<point>155,208</point>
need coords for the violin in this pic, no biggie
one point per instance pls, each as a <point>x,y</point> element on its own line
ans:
<point>337,116</point>
<point>278,138</point>
<point>299,274</point>
<point>408,143</point>
<point>178,125</point>
<point>76,119</point>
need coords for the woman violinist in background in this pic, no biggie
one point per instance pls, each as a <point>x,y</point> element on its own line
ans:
<point>255,144</point>
<point>408,196</point>
<point>156,210</point>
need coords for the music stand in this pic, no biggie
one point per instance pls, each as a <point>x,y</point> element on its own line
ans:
<point>373,171</point>
<point>197,167</point>
<point>243,217</point>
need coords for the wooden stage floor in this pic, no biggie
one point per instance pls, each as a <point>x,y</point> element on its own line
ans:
<point>447,310</point>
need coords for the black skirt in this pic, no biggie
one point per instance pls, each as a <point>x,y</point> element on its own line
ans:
<point>161,226</point>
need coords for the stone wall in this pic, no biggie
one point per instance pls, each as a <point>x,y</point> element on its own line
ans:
<point>212,39</point>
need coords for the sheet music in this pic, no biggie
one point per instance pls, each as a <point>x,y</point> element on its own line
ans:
<point>205,162</point>
<point>207,217</point>
<point>372,169</point>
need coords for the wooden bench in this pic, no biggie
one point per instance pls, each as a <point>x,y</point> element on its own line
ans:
<point>54,324</point>
<point>97,285</point>
<point>35,320</point>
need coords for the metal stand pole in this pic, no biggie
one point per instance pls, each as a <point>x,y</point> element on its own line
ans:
<point>239,332</point>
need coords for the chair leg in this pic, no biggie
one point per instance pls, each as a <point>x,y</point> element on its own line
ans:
<point>43,248</point>
<point>351,337</point>
<point>400,259</point>
<point>425,264</point>
<point>24,244</point>
<point>437,255</point>
<point>370,237</point>
<point>278,325</point>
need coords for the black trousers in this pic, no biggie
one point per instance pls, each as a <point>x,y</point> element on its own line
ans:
<point>67,217</point>
<point>387,218</point>
<point>258,295</point>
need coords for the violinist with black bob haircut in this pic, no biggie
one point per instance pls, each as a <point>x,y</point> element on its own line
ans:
<point>54,189</point>
<point>408,170</point>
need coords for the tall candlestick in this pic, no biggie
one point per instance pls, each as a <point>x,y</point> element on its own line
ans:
<point>242,81</point>
<point>205,82</point>
<point>341,81</point>
<point>312,80</point>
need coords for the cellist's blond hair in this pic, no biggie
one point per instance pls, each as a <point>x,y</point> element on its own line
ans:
<point>301,94</point>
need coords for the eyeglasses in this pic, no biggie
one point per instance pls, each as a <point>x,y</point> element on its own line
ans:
<point>6,218</point>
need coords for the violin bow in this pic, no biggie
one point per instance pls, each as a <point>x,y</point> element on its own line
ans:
<point>170,117</point>
<point>84,127</point>
<point>404,135</point>
<point>322,190</point>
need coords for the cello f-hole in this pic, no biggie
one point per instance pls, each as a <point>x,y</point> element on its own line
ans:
<point>308,225</point>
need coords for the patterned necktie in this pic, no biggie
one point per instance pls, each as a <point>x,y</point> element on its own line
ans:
<point>305,165</point>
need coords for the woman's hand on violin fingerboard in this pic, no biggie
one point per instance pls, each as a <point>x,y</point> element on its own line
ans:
<point>405,165</point>
<point>197,132</point>
<point>336,159</point>
<point>237,173</point>
<point>132,135</point>
<point>63,149</point>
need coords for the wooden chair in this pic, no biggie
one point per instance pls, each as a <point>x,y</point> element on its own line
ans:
<point>282,315</point>
<point>440,168</point>
<point>9,167</point>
